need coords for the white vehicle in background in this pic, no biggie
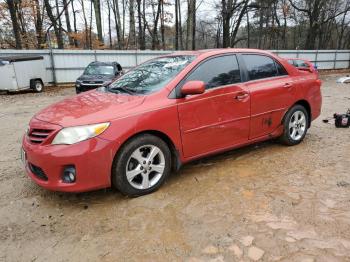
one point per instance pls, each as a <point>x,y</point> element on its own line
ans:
<point>22,72</point>
<point>344,80</point>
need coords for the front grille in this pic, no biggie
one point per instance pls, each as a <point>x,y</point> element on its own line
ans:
<point>37,136</point>
<point>38,172</point>
<point>88,87</point>
<point>93,82</point>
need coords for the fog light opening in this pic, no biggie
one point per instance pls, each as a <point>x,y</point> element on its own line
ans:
<point>69,174</point>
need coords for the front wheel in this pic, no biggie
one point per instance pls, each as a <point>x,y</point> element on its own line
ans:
<point>142,166</point>
<point>295,125</point>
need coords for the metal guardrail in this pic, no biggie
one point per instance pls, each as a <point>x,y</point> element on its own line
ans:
<point>65,66</point>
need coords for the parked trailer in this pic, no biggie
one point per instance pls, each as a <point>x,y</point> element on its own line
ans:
<point>22,72</point>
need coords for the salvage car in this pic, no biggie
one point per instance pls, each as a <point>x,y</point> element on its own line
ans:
<point>164,113</point>
<point>97,74</point>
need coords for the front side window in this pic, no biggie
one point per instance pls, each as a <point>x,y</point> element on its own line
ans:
<point>218,71</point>
<point>260,66</point>
<point>151,76</point>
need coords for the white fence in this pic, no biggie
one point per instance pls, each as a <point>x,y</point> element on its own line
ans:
<point>65,66</point>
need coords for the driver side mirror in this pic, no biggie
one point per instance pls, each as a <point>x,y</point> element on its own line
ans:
<point>193,88</point>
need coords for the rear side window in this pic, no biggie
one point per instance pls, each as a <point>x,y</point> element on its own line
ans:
<point>260,66</point>
<point>217,71</point>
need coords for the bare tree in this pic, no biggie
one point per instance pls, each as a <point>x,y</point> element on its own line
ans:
<point>313,10</point>
<point>191,25</point>
<point>69,28</point>
<point>97,7</point>
<point>141,25</point>
<point>54,24</point>
<point>132,31</point>
<point>115,8</point>
<point>15,25</point>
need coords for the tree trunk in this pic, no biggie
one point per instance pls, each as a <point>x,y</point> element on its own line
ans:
<point>141,36</point>
<point>132,31</point>
<point>117,22</point>
<point>109,25</point>
<point>248,30</point>
<point>155,41</point>
<point>69,28</point>
<point>238,23</point>
<point>176,41</point>
<point>15,25</point>
<point>60,30</point>
<point>53,20</point>
<point>181,44</point>
<point>38,25</point>
<point>86,44</point>
<point>162,28</point>
<point>90,27</point>
<point>194,25</point>
<point>123,30</point>
<point>97,7</point>
<point>74,23</point>
<point>191,24</point>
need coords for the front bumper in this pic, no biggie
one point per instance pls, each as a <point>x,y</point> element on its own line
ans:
<point>91,158</point>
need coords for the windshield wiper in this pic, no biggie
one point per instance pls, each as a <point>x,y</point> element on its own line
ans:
<point>122,88</point>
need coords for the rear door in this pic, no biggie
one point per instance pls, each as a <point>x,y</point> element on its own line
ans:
<point>272,92</point>
<point>218,118</point>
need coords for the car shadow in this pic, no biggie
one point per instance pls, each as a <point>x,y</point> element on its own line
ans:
<point>85,199</point>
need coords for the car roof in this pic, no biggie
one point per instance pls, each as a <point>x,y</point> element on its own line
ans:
<point>220,51</point>
<point>104,63</point>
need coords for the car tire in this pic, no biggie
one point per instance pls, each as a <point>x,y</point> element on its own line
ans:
<point>38,86</point>
<point>295,126</point>
<point>141,166</point>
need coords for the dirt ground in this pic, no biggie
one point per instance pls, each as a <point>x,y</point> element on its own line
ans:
<point>264,202</point>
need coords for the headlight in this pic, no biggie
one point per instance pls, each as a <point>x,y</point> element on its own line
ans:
<point>72,135</point>
<point>77,83</point>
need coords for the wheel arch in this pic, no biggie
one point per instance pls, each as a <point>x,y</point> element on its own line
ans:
<point>175,157</point>
<point>32,81</point>
<point>304,104</point>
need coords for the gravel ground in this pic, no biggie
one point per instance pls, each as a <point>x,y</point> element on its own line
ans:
<point>264,202</point>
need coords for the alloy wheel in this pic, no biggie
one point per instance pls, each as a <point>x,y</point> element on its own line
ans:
<point>297,125</point>
<point>145,167</point>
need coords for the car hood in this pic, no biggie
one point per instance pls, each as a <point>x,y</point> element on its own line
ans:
<point>89,108</point>
<point>95,77</point>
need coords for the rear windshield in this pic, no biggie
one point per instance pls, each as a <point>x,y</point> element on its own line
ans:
<point>152,75</point>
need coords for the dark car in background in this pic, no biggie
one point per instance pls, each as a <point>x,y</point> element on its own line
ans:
<point>98,74</point>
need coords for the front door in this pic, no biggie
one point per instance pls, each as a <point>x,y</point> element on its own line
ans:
<point>218,118</point>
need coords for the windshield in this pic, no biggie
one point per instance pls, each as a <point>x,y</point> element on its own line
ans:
<point>99,70</point>
<point>151,76</point>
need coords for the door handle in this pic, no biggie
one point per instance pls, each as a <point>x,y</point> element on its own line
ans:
<point>241,96</point>
<point>288,85</point>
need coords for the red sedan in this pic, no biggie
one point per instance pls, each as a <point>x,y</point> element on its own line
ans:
<point>164,113</point>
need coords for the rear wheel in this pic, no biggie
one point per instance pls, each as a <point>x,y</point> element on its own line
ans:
<point>142,166</point>
<point>38,86</point>
<point>295,125</point>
